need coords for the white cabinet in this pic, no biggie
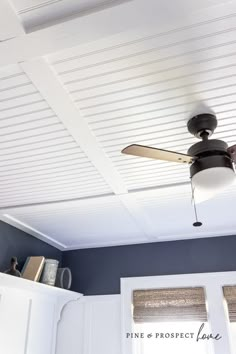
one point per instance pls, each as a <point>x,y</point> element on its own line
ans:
<point>29,315</point>
<point>39,319</point>
<point>91,326</point>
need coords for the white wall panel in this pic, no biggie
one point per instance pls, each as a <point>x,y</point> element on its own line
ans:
<point>105,325</point>
<point>14,320</point>
<point>41,325</point>
<point>91,327</point>
<point>71,330</point>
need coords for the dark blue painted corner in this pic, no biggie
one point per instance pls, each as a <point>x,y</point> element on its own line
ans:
<point>14,242</point>
<point>98,271</point>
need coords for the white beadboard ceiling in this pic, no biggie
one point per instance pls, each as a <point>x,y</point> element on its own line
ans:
<point>65,117</point>
<point>39,159</point>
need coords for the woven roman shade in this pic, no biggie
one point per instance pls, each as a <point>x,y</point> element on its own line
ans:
<point>169,305</point>
<point>230,297</point>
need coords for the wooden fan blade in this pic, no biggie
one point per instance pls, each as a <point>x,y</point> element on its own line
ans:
<point>232,151</point>
<point>157,154</point>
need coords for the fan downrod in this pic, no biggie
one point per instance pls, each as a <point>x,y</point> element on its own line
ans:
<point>203,125</point>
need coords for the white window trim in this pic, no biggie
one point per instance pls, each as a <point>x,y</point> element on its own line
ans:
<point>212,283</point>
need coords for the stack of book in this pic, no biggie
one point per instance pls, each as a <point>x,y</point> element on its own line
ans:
<point>33,267</point>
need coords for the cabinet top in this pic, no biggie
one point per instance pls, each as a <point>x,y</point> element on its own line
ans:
<point>32,286</point>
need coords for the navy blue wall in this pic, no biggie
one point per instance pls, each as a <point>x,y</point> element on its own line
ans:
<point>98,271</point>
<point>14,242</point>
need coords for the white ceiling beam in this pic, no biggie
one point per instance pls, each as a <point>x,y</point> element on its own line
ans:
<point>135,192</point>
<point>71,33</point>
<point>10,24</point>
<point>139,215</point>
<point>48,84</point>
<point>136,16</point>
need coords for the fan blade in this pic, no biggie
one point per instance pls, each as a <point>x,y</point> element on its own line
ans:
<point>232,151</point>
<point>158,154</point>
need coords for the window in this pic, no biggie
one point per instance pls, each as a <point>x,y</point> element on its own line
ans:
<point>173,317</point>
<point>179,304</point>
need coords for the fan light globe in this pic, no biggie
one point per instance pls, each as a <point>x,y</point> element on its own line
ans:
<point>211,181</point>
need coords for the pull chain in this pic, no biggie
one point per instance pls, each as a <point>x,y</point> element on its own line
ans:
<point>196,223</point>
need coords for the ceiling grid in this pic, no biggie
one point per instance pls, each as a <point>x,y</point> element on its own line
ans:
<point>77,94</point>
<point>57,97</point>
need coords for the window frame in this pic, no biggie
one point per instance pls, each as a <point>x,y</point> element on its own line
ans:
<point>216,305</point>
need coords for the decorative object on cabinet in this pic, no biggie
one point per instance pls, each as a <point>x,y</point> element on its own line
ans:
<point>12,270</point>
<point>64,278</point>
<point>49,272</point>
<point>33,268</point>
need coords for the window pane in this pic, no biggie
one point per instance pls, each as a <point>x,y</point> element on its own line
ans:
<point>161,344</point>
<point>172,320</point>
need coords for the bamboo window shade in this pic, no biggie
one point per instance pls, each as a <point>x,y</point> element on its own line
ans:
<point>169,305</point>
<point>230,297</point>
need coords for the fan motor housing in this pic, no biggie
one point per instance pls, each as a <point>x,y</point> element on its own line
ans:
<point>209,153</point>
<point>204,122</point>
<point>208,146</point>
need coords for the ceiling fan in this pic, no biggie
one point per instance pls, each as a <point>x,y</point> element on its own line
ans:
<point>211,161</point>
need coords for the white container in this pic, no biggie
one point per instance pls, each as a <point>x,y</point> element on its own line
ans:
<point>49,272</point>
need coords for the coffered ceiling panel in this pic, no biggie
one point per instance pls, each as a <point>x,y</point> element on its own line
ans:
<point>39,159</point>
<point>144,90</point>
<point>173,213</point>
<point>104,221</point>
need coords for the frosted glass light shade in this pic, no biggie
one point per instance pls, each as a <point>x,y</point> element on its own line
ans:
<point>211,181</point>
